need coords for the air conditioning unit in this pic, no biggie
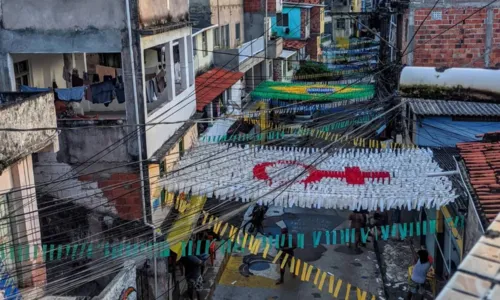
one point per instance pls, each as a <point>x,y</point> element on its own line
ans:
<point>287,30</point>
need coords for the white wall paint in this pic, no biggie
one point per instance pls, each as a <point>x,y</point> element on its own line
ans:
<point>44,69</point>
<point>157,135</point>
<point>202,62</point>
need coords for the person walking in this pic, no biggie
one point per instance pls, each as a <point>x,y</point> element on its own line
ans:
<point>286,249</point>
<point>193,273</point>
<point>257,219</point>
<point>419,273</point>
<point>357,220</point>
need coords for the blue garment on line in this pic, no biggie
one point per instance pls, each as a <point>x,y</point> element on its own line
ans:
<point>103,92</point>
<point>25,89</point>
<point>71,94</point>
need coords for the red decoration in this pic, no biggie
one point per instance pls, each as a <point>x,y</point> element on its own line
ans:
<point>353,175</point>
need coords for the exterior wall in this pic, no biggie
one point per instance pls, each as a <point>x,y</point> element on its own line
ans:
<point>33,112</point>
<point>465,43</point>
<point>156,183</point>
<point>44,69</point>
<point>313,47</point>
<point>155,12</point>
<point>182,108</point>
<point>23,221</point>
<point>55,14</point>
<point>123,286</point>
<point>257,6</point>
<point>230,12</point>
<point>443,132</point>
<point>294,24</point>
<point>203,61</point>
<point>473,230</point>
<point>278,69</point>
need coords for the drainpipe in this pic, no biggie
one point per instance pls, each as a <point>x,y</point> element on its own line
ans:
<point>139,141</point>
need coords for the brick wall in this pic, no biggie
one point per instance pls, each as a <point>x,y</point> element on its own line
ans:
<point>258,6</point>
<point>303,15</point>
<point>277,70</point>
<point>122,190</point>
<point>313,47</point>
<point>315,20</point>
<point>458,46</point>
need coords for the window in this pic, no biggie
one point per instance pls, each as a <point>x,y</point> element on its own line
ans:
<point>22,73</point>
<point>238,31</point>
<point>437,15</point>
<point>204,44</point>
<point>217,37</point>
<point>340,24</point>
<point>282,20</point>
<point>181,147</point>
<point>226,44</point>
<point>289,64</point>
<point>195,51</point>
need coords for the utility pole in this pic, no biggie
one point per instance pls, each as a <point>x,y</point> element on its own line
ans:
<point>266,33</point>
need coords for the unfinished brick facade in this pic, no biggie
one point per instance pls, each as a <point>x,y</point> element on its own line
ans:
<point>256,6</point>
<point>123,190</point>
<point>465,44</point>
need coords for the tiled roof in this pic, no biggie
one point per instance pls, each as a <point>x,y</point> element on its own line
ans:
<point>453,108</point>
<point>483,165</point>
<point>294,45</point>
<point>478,276</point>
<point>213,83</point>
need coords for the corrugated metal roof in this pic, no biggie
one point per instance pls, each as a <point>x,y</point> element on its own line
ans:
<point>453,108</point>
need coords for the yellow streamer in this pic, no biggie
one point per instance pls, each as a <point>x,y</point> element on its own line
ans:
<point>292,265</point>
<point>348,291</point>
<point>309,271</point>
<point>330,285</point>
<point>304,272</point>
<point>244,241</point>
<point>283,263</point>
<point>205,217</point>
<point>297,267</point>
<point>316,278</point>
<point>224,229</point>
<point>322,281</point>
<point>266,250</point>
<point>337,288</point>
<point>277,257</point>
<point>361,295</point>
<point>255,247</point>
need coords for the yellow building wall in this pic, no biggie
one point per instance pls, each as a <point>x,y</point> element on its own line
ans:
<point>322,20</point>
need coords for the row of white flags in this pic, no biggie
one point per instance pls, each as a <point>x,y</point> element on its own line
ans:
<point>345,179</point>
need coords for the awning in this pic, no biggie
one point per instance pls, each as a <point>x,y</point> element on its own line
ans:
<point>213,83</point>
<point>286,54</point>
<point>182,228</point>
<point>294,45</point>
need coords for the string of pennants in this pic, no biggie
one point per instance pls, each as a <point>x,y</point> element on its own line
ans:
<point>282,131</point>
<point>233,244</point>
<point>332,73</point>
<point>75,251</point>
<point>323,107</point>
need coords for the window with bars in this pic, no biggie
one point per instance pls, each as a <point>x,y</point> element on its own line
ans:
<point>22,73</point>
<point>340,23</point>
<point>217,37</point>
<point>437,15</point>
<point>238,31</point>
<point>282,20</point>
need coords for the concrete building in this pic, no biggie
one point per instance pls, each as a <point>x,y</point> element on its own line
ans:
<point>473,42</point>
<point>147,46</point>
<point>341,26</point>
<point>446,107</point>
<point>477,276</point>
<point>302,21</point>
<point>19,209</point>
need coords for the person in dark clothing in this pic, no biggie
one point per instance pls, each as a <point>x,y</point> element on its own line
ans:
<point>192,266</point>
<point>286,249</point>
<point>258,215</point>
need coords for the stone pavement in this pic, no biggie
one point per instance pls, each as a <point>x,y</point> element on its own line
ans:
<point>396,257</point>
<point>251,277</point>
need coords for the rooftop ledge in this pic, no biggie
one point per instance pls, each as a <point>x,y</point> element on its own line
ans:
<point>165,28</point>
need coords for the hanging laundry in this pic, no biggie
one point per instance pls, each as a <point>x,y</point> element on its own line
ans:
<point>71,94</point>
<point>85,76</point>
<point>105,71</point>
<point>96,78</point>
<point>29,89</point>
<point>151,91</point>
<point>103,92</point>
<point>120,95</point>
<point>160,81</point>
<point>76,81</point>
